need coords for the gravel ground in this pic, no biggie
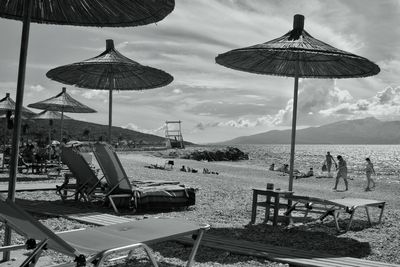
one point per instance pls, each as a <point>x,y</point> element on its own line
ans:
<point>224,202</point>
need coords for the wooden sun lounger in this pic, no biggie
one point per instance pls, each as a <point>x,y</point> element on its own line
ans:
<point>88,186</point>
<point>140,194</point>
<point>94,245</point>
<point>335,207</point>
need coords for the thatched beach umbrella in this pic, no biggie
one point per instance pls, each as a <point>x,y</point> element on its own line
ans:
<point>7,104</point>
<point>99,13</point>
<point>110,71</point>
<point>297,54</point>
<point>62,102</point>
<point>50,115</point>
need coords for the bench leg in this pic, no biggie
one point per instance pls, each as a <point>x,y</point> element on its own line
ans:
<point>288,212</point>
<point>267,207</point>
<point>254,208</point>
<point>276,211</point>
<point>195,248</point>
<point>368,217</point>
<point>336,218</point>
<point>351,220</point>
<point>380,216</point>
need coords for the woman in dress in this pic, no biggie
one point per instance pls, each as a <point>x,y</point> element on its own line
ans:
<point>369,170</point>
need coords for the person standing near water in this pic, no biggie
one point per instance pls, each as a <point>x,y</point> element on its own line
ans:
<point>342,172</point>
<point>369,170</point>
<point>328,162</point>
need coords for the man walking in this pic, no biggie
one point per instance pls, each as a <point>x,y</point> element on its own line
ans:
<point>342,172</point>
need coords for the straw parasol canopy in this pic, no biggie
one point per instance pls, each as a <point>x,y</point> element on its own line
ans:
<point>97,13</point>
<point>50,115</point>
<point>106,13</point>
<point>7,104</point>
<point>62,102</point>
<point>110,71</point>
<point>7,108</point>
<point>297,54</point>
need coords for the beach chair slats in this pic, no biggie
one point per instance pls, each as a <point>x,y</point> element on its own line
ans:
<point>144,194</point>
<point>87,183</point>
<point>99,242</point>
<point>112,168</point>
<point>24,224</point>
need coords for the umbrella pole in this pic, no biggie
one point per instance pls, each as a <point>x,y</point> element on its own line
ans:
<point>109,115</point>
<point>61,124</point>
<point>49,140</point>
<point>294,118</point>
<point>17,115</point>
<point>4,143</point>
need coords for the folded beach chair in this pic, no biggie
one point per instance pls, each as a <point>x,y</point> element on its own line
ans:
<point>335,207</point>
<point>92,246</point>
<point>87,185</point>
<point>141,194</point>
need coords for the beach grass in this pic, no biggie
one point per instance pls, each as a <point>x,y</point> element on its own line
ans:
<point>224,202</point>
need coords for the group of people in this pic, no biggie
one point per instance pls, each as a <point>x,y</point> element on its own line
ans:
<point>296,173</point>
<point>341,168</point>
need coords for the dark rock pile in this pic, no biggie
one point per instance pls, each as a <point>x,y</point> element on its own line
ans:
<point>226,154</point>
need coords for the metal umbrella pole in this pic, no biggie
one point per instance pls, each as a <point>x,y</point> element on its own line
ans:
<point>109,114</point>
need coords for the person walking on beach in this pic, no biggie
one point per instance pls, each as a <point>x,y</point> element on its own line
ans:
<point>369,170</point>
<point>342,172</point>
<point>328,161</point>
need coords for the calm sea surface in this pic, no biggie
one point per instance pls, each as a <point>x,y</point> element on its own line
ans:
<point>386,158</point>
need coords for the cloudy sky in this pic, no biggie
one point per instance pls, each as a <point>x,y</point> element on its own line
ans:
<point>215,103</point>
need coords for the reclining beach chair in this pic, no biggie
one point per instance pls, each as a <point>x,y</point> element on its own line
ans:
<point>93,245</point>
<point>142,194</point>
<point>87,185</point>
<point>335,207</point>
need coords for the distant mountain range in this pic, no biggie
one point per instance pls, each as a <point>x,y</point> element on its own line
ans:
<point>362,131</point>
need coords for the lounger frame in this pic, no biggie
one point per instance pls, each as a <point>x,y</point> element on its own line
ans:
<point>334,208</point>
<point>24,224</point>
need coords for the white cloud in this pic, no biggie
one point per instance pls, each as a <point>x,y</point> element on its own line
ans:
<point>320,103</point>
<point>37,88</point>
<point>91,94</point>
<point>157,131</point>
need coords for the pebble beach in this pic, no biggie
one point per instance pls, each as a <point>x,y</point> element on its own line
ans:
<point>224,200</point>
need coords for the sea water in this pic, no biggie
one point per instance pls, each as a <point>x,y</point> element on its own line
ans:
<point>386,158</point>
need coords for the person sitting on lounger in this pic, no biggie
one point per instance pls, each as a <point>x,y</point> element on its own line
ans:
<point>207,171</point>
<point>284,168</point>
<point>272,167</point>
<point>305,175</point>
